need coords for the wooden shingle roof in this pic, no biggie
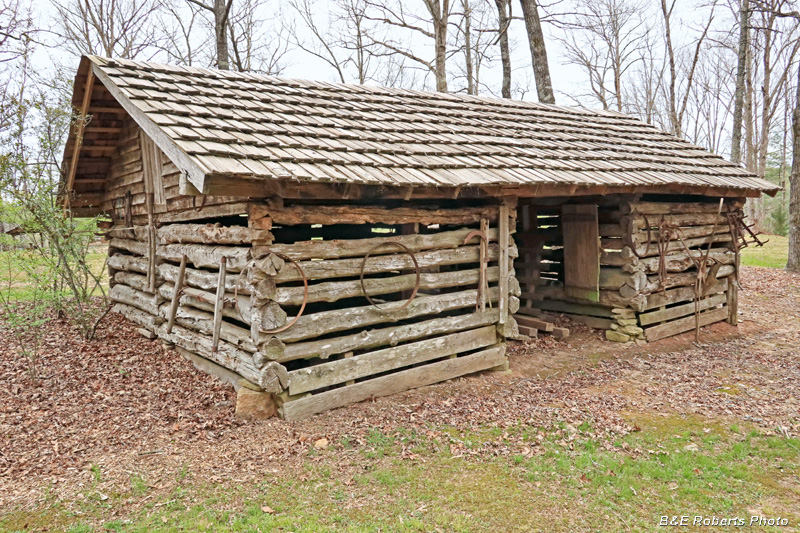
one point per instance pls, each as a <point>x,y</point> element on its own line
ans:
<point>222,123</point>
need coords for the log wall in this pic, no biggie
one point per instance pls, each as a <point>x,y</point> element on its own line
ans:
<point>232,294</point>
<point>644,294</point>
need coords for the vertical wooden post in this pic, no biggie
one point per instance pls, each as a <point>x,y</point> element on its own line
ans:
<point>733,301</point>
<point>484,284</point>
<point>503,284</point>
<point>223,263</point>
<point>152,272</point>
<point>176,295</point>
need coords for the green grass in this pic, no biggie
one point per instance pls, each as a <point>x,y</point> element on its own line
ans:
<point>17,286</point>
<point>673,466</point>
<point>773,254</point>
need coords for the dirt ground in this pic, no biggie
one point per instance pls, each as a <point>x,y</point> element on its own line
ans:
<point>124,404</point>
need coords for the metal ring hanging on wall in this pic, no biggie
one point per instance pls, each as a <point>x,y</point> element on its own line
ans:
<point>305,293</point>
<point>405,249</point>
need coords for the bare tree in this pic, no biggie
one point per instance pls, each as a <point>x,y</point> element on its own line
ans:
<point>741,70</point>
<point>710,100</point>
<point>541,69</point>
<point>433,27</point>
<point>779,9</point>
<point>179,34</point>
<point>793,262</point>
<point>503,22</point>
<point>16,27</point>
<point>604,39</point>
<point>126,28</point>
<point>644,90</point>
<point>677,103</point>
<point>220,10</point>
<point>475,33</point>
<point>250,51</point>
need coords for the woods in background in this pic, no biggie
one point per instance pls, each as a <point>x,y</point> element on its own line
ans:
<point>723,75</point>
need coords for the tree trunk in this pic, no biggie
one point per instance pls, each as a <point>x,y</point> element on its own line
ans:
<point>220,24</point>
<point>440,12</point>
<point>471,89</point>
<point>505,54</point>
<point>738,101</point>
<point>673,111</point>
<point>541,71</point>
<point>793,264</point>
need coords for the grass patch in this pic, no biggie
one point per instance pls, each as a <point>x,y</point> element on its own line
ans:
<point>774,254</point>
<point>673,466</point>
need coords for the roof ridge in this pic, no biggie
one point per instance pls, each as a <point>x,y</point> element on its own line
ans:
<point>365,88</point>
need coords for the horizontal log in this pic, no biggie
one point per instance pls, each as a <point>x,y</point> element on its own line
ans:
<point>203,322</point>
<point>272,378</point>
<point>338,290</point>
<point>354,214</point>
<point>351,268</point>
<point>680,294</point>
<point>691,219</point>
<point>134,298</point>
<point>203,279</point>
<point>206,256</point>
<point>671,208</point>
<point>182,209</point>
<point>339,248</point>
<point>138,317</point>
<point>653,317</point>
<point>681,245</point>
<point>682,261</point>
<point>129,245</point>
<point>608,298</point>
<point>234,306</point>
<point>128,262</point>
<point>325,322</point>
<point>591,321</point>
<point>611,230</point>
<point>136,281</point>
<point>682,325</point>
<point>571,308</point>
<point>615,278</point>
<point>616,258</point>
<point>394,383</point>
<point>136,233</point>
<point>392,335</point>
<point>681,279</point>
<point>377,362</point>
<point>211,234</point>
<point>688,232</point>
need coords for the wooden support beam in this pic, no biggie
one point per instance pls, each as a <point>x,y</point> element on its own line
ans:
<point>484,257</point>
<point>504,236</point>
<point>76,148</point>
<point>732,299</point>
<point>176,295</point>
<point>223,261</point>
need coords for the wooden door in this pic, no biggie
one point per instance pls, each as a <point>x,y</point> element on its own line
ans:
<point>581,252</point>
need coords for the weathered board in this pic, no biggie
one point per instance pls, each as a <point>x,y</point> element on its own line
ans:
<point>581,252</point>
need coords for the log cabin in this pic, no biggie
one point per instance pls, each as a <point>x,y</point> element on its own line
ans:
<point>322,244</point>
